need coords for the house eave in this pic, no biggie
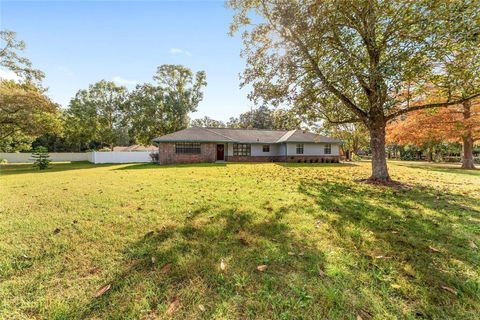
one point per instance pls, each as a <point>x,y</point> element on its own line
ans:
<point>249,142</point>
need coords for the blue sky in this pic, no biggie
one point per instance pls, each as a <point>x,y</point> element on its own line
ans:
<point>77,43</point>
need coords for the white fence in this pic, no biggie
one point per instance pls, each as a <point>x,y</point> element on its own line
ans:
<point>54,156</point>
<point>120,157</point>
<point>94,157</point>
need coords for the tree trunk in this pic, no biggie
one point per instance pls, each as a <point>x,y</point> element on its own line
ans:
<point>429,155</point>
<point>467,159</point>
<point>379,161</point>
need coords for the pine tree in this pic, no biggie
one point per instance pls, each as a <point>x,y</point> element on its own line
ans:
<point>41,158</point>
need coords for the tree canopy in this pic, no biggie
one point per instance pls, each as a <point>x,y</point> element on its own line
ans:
<point>207,122</point>
<point>460,123</point>
<point>11,58</point>
<point>156,109</point>
<point>265,118</point>
<point>350,61</point>
<point>96,113</point>
<point>25,112</point>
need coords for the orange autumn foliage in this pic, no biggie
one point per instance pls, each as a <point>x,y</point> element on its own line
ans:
<point>435,125</point>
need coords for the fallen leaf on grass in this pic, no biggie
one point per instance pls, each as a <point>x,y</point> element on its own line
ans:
<point>395,286</point>
<point>102,290</point>
<point>451,290</point>
<point>222,265</point>
<point>290,253</point>
<point>472,245</point>
<point>322,273</point>
<point>201,307</point>
<point>409,270</point>
<point>383,257</point>
<point>174,306</point>
<point>433,249</point>
<point>166,268</point>
<point>154,260</point>
<point>262,267</point>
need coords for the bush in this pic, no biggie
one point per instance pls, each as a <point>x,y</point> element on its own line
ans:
<point>154,156</point>
<point>41,158</point>
<point>355,157</point>
<point>3,161</point>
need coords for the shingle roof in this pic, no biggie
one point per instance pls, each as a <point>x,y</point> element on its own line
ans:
<point>243,136</point>
<point>193,134</point>
<point>306,136</point>
<point>250,135</point>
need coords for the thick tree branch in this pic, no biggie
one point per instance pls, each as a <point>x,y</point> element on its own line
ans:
<point>431,105</point>
<point>352,106</point>
<point>352,120</point>
<point>290,34</point>
<point>351,62</point>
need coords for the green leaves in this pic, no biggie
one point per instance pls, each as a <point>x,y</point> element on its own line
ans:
<point>13,61</point>
<point>356,61</point>
<point>96,113</point>
<point>25,111</point>
<point>156,109</point>
<point>41,162</point>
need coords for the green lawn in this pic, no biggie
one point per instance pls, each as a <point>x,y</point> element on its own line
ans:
<point>333,248</point>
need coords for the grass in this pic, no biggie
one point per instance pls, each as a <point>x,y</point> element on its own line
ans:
<point>334,249</point>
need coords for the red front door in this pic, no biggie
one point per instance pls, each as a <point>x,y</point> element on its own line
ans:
<point>220,152</point>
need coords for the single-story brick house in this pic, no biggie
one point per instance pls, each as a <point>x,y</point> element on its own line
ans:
<point>198,144</point>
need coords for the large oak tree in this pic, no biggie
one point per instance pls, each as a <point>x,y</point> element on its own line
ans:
<point>96,113</point>
<point>25,111</point>
<point>163,107</point>
<point>351,60</point>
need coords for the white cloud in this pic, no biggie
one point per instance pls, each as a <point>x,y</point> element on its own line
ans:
<point>8,75</point>
<point>176,51</point>
<point>125,82</point>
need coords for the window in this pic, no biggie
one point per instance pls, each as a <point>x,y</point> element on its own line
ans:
<point>266,148</point>
<point>241,149</point>
<point>187,148</point>
<point>300,148</point>
<point>328,148</point>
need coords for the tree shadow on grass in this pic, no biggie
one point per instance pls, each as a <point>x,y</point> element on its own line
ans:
<point>315,165</point>
<point>193,250</point>
<point>446,168</point>
<point>397,233</point>
<point>143,166</point>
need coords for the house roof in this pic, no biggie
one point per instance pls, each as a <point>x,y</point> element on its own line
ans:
<point>198,134</point>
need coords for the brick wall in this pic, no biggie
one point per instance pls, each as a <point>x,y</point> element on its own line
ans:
<point>314,159</point>
<point>308,159</point>
<point>255,158</point>
<point>167,155</point>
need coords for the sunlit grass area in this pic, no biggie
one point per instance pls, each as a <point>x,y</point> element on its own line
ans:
<point>185,242</point>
